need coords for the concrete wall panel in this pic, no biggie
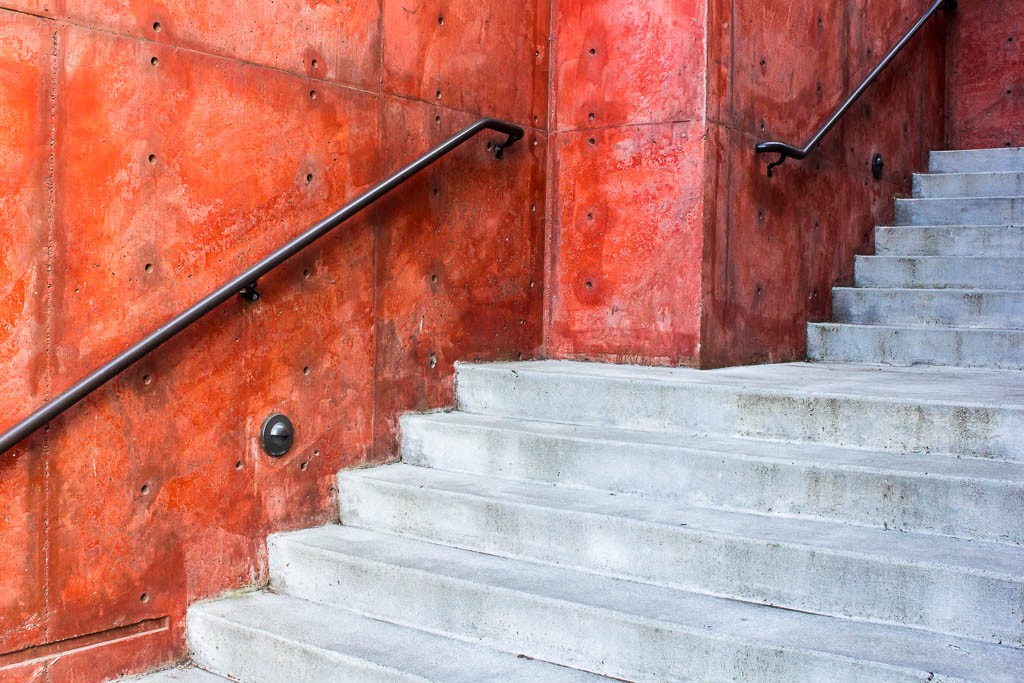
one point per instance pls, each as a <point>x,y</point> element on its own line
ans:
<point>986,75</point>
<point>25,87</point>
<point>338,41</point>
<point>627,240</point>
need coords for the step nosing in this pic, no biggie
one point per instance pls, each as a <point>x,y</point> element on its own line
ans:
<point>684,529</point>
<point>701,452</point>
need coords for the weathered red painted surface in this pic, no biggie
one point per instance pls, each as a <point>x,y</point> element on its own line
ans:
<point>986,75</point>
<point>626,181</point>
<point>179,157</point>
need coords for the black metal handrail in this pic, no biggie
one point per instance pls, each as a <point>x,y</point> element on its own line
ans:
<point>245,284</point>
<point>786,151</point>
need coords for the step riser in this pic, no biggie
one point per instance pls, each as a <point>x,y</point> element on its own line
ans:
<point>916,346</point>
<point>968,185</point>
<point>949,241</point>
<point>609,643</point>
<point>792,576</point>
<point>255,657</point>
<point>939,273</point>
<point>961,211</point>
<point>988,431</point>
<point>952,308</point>
<point>971,508</point>
<point>1010,159</point>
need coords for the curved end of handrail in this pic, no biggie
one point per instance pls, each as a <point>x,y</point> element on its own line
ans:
<point>784,151</point>
<point>515,133</point>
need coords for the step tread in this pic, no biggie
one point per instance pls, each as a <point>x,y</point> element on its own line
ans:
<point>923,326</point>
<point>179,675</point>
<point>820,536</point>
<point>824,456</point>
<point>566,590</point>
<point>337,633</point>
<point>961,387</point>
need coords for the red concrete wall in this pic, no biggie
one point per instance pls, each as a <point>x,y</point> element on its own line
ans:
<point>626,178</point>
<point>986,75</point>
<point>774,247</point>
<point>151,151</point>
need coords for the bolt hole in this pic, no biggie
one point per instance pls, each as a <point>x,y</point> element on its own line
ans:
<point>305,370</point>
<point>593,51</point>
<point>239,465</point>
<point>433,278</point>
<point>433,360</point>
<point>440,21</point>
<point>312,94</point>
<point>144,597</point>
<point>591,116</point>
<point>151,158</point>
<point>309,178</point>
<point>304,466</point>
<point>154,61</point>
<point>145,489</point>
<point>437,119</point>
<point>592,141</point>
<point>314,64</point>
<point>306,273</point>
<point>758,291</point>
<point>589,284</point>
<point>157,27</point>
<point>316,453</point>
<point>533,208</point>
<point>438,94</point>
<point>437,192</point>
<point>147,380</point>
<point>149,267</point>
<point>590,216</point>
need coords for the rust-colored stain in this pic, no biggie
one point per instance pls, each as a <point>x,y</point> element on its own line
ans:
<point>153,150</point>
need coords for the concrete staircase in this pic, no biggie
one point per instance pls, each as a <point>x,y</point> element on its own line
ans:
<point>831,521</point>
<point>946,286</point>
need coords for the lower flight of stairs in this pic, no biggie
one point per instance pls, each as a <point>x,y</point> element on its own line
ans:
<point>829,521</point>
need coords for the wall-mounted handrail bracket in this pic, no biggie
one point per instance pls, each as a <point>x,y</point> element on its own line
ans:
<point>245,283</point>
<point>250,293</point>
<point>786,151</point>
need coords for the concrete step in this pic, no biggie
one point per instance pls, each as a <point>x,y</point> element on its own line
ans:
<point>981,498</point>
<point>939,272</point>
<point>977,160</point>
<point>267,638</point>
<point>941,410</point>
<point>973,308</point>
<point>961,211</point>
<point>949,240</point>
<point>178,675</point>
<point>939,185</point>
<point>618,628</point>
<point>894,345</point>
<point>808,565</point>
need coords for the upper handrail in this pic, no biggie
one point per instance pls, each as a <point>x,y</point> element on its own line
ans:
<point>789,151</point>
<point>245,284</point>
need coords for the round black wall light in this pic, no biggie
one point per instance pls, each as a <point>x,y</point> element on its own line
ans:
<point>277,435</point>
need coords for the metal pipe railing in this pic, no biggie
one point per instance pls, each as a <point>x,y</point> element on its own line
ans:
<point>245,284</point>
<point>787,151</point>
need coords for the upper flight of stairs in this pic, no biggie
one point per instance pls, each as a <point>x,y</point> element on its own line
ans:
<point>946,284</point>
<point>857,519</point>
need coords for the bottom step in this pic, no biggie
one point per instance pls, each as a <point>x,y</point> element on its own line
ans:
<point>268,638</point>
<point>619,628</point>
<point>951,346</point>
<point>179,675</point>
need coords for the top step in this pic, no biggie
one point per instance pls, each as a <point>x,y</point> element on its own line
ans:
<point>1004,159</point>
